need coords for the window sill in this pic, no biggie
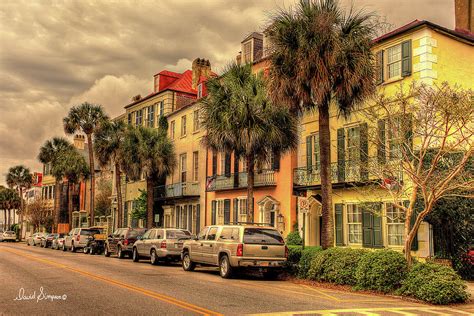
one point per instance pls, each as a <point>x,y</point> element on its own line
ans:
<point>392,80</point>
<point>196,131</point>
<point>182,136</point>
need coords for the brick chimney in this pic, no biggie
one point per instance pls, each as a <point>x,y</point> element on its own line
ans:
<point>464,15</point>
<point>79,141</point>
<point>201,67</point>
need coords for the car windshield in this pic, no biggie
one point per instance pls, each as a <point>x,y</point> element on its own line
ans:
<point>135,232</point>
<point>176,234</point>
<point>90,232</point>
<point>262,236</point>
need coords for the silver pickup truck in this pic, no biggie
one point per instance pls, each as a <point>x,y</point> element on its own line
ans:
<point>236,247</point>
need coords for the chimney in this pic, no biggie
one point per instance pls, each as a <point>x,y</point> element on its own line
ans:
<point>79,141</point>
<point>201,67</point>
<point>464,15</point>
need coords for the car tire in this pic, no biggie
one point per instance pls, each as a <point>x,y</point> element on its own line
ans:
<point>120,254</point>
<point>106,251</point>
<point>271,274</point>
<point>85,250</point>
<point>135,255</point>
<point>188,264</point>
<point>27,243</point>
<point>64,247</point>
<point>153,257</point>
<point>73,249</point>
<point>225,269</point>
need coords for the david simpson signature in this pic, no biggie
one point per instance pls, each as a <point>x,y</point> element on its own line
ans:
<point>42,296</point>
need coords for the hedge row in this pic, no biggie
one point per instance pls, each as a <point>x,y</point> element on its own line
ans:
<point>381,270</point>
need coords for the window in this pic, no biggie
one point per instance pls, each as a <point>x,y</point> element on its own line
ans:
<point>202,234</point>
<point>229,234</point>
<point>161,108</point>
<point>195,166</point>
<point>242,209</point>
<point>394,61</point>
<point>199,91</point>
<point>247,52</point>
<point>196,123</point>
<point>182,167</point>
<point>394,138</point>
<point>139,117</point>
<point>395,225</point>
<point>151,116</point>
<point>244,165</point>
<point>212,233</point>
<point>129,118</point>
<point>220,212</point>
<point>262,236</point>
<point>354,223</point>
<point>353,144</point>
<point>172,125</point>
<point>222,163</point>
<point>183,125</point>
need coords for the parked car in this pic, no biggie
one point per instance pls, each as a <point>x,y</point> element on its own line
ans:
<point>46,242</point>
<point>35,239</point>
<point>237,247</point>
<point>57,242</point>
<point>121,241</point>
<point>8,235</point>
<point>95,242</point>
<point>160,244</point>
<point>77,238</point>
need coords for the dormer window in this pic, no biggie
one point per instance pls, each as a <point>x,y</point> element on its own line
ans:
<point>247,52</point>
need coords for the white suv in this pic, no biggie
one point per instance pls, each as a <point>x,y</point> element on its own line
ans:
<point>77,238</point>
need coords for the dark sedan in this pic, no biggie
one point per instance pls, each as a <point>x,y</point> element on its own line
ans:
<point>121,241</point>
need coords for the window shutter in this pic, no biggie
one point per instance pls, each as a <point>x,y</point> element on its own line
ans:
<point>213,212</point>
<point>377,226</point>
<point>198,219</point>
<point>227,165</point>
<point>214,163</point>
<point>379,67</point>
<point>236,170</point>
<point>340,155</point>
<point>190,217</point>
<point>309,155</point>
<point>316,152</point>
<point>364,153</point>
<point>408,130</point>
<point>276,161</point>
<point>339,224</point>
<point>414,244</point>
<point>236,210</point>
<point>367,235</point>
<point>381,151</point>
<point>406,58</point>
<point>227,211</point>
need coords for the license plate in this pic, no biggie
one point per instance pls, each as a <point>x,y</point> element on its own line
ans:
<point>264,264</point>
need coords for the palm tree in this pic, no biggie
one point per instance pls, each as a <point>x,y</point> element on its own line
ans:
<point>321,58</point>
<point>53,152</point>
<point>86,118</point>
<point>9,200</point>
<point>3,205</point>
<point>239,118</point>
<point>108,148</point>
<point>149,153</point>
<point>20,178</point>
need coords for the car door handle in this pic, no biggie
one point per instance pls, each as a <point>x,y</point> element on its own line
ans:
<point>202,245</point>
<point>210,245</point>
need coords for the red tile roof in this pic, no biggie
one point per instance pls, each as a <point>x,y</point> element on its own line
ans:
<point>183,84</point>
<point>169,73</point>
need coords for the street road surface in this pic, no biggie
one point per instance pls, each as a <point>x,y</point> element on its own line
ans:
<point>37,281</point>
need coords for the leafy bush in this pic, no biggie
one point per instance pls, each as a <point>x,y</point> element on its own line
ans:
<point>336,265</point>
<point>307,256</point>
<point>434,283</point>
<point>381,270</point>
<point>294,238</point>
<point>294,256</point>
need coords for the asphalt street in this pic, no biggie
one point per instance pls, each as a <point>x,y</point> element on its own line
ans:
<point>37,281</point>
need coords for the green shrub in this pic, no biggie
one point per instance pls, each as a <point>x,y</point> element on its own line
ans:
<point>307,256</point>
<point>294,256</point>
<point>434,283</point>
<point>381,270</point>
<point>336,265</point>
<point>294,238</point>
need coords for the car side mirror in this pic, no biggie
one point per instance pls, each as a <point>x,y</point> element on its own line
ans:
<point>139,237</point>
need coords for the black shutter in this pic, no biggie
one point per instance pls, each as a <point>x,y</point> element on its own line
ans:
<point>379,67</point>
<point>236,210</point>
<point>226,211</point>
<point>213,212</point>
<point>198,219</point>
<point>381,151</point>
<point>214,163</point>
<point>276,161</point>
<point>367,228</point>
<point>406,58</point>
<point>364,152</point>
<point>125,216</point>
<point>340,155</point>
<point>236,170</point>
<point>339,224</point>
<point>227,165</point>
<point>377,225</point>
<point>190,217</point>
<point>414,244</point>
<point>309,153</point>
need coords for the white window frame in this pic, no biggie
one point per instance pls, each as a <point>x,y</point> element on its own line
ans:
<point>220,211</point>
<point>352,225</point>
<point>394,52</point>
<point>183,125</point>
<point>172,129</point>
<point>242,208</point>
<point>395,221</point>
<point>195,165</point>
<point>196,122</point>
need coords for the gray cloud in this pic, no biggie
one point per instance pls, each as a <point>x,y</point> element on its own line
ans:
<point>57,53</point>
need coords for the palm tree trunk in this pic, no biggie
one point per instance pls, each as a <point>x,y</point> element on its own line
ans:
<point>9,219</point>
<point>22,205</point>
<point>92,176</point>
<point>5,219</point>
<point>250,183</point>
<point>118,189</point>
<point>326,185</point>
<point>57,196</point>
<point>149,203</point>
<point>69,203</point>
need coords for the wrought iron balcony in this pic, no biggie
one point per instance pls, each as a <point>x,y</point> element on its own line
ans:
<point>239,180</point>
<point>176,190</point>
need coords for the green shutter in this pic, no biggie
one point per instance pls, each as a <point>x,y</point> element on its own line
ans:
<point>213,212</point>
<point>377,225</point>
<point>406,58</point>
<point>236,170</point>
<point>214,163</point>
<point>339,224</point>
<point>309,155</point>
<point>364,153</point>
<point>227,211</point>
<point>367,234</point>
<point>236,211</point>
<point>227,164</point>
<point>414,244</point>
<point>379,67</point>
<point>198,219</point>
<point>340,155</point>
<point>381,150</point>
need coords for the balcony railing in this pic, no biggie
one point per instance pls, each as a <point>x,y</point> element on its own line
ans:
<point>346,171</point>
<point>239,180</point>
<point>181,189</point>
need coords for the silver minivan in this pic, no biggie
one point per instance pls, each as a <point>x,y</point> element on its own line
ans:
<point>160,244</point>
<point>78,238</point>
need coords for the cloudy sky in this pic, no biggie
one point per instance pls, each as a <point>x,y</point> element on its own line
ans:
<point>55,54</point>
